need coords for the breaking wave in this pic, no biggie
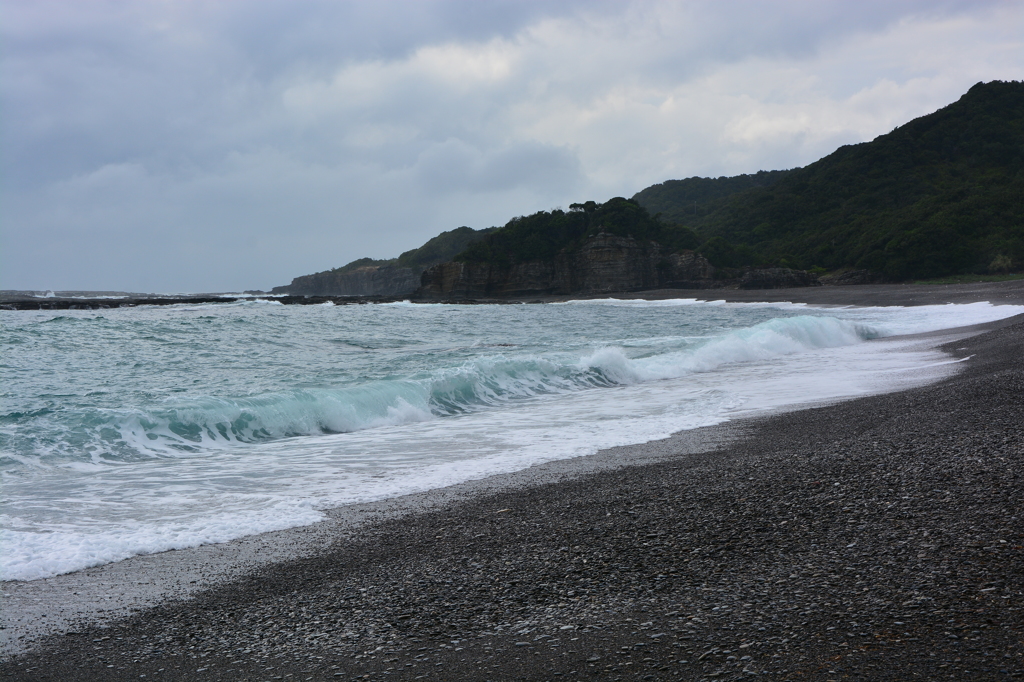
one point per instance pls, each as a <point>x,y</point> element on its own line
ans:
<point>194,425</point>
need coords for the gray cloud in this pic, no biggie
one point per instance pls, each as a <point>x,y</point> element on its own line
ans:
<point>453,166</point>
<point>202,146</point>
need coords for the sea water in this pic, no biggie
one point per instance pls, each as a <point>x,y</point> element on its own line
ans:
<point>127,431</point>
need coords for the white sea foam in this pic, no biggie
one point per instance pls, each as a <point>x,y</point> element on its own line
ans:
<point>31,555</point>
<point>178,427</point>
<point>349,405</point>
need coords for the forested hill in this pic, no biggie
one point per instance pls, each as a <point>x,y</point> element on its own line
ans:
<point>679,201</point>
<point>541,236</point>
<point>441,248</point>
<point>943,194</point>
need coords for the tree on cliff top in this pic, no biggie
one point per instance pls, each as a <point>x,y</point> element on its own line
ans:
<point>543,235</point>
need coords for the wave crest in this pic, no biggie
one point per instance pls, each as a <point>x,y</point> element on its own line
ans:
<point>196,424</point>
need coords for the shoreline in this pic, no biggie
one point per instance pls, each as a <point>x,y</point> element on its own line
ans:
<point>37,608</point>
<point>166,580</point>
<point>1010,291</point>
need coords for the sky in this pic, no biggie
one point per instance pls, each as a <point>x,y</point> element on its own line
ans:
<point>223,145</point>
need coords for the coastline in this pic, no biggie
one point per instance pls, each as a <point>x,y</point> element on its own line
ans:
<point>230,574</point>
<point>33,610</point>
<point>1011,291</point>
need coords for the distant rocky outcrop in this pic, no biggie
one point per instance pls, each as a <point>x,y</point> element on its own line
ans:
<point>369,280</point>
<point>393,277</point>
<point>604,263</point>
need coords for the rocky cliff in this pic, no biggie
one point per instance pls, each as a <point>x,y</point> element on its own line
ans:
<point>603,264</point>
<point>392,277</point>
<point>382,280</point>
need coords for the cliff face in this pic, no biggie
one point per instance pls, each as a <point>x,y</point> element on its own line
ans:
<point>386,280</point>
<point>605,263</point>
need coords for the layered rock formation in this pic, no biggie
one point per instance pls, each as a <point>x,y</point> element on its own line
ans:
<point>373,280</point>
<point>603,264</point>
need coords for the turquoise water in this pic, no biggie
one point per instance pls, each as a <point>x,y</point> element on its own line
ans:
<point>127,431</point>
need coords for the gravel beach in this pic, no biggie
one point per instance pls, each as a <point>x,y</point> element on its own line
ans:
<point>876,539</point>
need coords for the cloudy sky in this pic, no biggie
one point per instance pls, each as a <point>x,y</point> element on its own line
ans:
<point>189,146</point>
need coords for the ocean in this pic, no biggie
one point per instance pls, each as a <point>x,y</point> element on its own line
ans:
<point>128,431</point>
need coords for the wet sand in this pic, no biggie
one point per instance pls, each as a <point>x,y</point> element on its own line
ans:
<point>877,538</point>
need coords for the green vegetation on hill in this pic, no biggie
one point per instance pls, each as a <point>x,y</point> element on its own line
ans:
<point>441,248</point>
<point>680,201</point>
<point>941,195</point>
<point>542,235</point>
<point>364,263</point>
